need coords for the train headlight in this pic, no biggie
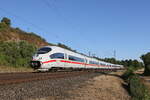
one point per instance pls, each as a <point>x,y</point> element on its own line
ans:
<point>40,58</point>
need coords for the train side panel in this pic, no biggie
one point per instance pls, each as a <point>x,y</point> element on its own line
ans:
<point>56,57</point>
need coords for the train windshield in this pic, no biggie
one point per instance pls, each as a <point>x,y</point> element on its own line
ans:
<point>44,50</point>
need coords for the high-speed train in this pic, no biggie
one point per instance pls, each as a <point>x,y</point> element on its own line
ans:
<point>54,57</point>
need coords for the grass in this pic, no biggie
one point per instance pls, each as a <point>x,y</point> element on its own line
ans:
<point>7,69</point>
<point>137,87</point>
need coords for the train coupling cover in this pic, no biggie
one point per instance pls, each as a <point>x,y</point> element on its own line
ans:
<point>35,64</point>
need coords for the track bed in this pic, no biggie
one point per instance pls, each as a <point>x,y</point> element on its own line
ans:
<point>14,78</point>
<point>55,87</point>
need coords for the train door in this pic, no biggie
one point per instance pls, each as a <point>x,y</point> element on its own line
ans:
<point>86,61</point>
<point>65,61</point>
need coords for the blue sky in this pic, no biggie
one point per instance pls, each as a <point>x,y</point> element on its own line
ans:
<point>98,26</point>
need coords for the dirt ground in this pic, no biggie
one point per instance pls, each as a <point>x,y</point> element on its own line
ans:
<point>103,87</point>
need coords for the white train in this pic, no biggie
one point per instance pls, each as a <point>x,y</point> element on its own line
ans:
<point>53,57</point>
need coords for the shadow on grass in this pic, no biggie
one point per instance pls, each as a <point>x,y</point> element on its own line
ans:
<point>127,88</point>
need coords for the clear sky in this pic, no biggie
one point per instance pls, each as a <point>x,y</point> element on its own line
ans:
<point>98,26</point>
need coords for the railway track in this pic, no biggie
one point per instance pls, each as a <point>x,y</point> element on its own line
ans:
<point>15,78</point>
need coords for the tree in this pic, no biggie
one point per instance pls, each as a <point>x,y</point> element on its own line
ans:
<point>111,60</point>
<point>6,20</point>
<point>146,60</point>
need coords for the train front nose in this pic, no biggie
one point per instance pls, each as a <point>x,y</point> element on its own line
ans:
<point>35,64</point>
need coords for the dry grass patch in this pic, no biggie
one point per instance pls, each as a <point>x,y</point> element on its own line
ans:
<point>5,69</point>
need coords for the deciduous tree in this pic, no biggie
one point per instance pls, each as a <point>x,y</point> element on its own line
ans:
<point>6,20</point>
<point>146,60</point>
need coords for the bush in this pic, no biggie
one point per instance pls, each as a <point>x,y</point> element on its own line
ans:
<point>146,60</point>
<point>3,26</point>
<point>3,60</point>
<point>137,89</point>
<point>6,20</point>
<point>16,53</point>
<point>128,73</point>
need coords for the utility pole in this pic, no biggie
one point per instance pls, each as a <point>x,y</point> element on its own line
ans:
<point>89,53</point>
<point>115,54</point>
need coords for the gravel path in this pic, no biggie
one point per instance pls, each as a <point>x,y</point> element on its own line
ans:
<point>54,89</point>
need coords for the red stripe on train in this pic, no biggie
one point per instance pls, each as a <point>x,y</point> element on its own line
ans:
<point>65,61</point>
<point>49,61</point>
<point>82,63</point>
<point>71,62</point>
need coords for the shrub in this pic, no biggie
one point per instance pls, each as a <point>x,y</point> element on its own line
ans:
<point>16,53</point>
<point>6,20</point>
<point>3,60</point>
<point>128,73</point>
<point>137,89</point>
<point>3,26</point>
<point>146,60</point>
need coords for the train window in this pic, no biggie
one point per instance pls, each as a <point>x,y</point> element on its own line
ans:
<point>57,56</point>
<point>44,50</point>
<point>76,58</point>
<point>93,62</point>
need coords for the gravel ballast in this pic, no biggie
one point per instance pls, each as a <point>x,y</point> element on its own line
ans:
<point>54,88</point>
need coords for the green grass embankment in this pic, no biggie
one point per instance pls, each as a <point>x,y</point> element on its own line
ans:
<point>136,86</point>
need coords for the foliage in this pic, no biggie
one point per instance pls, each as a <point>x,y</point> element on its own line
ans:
<point>128,73</point>
<point>16,53</point>
<point>111,60</point>
<point>7,21</point>
<point>3,26</point>
<point>133,63</point>
<point>146,60</point>
<point>137,89</point>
